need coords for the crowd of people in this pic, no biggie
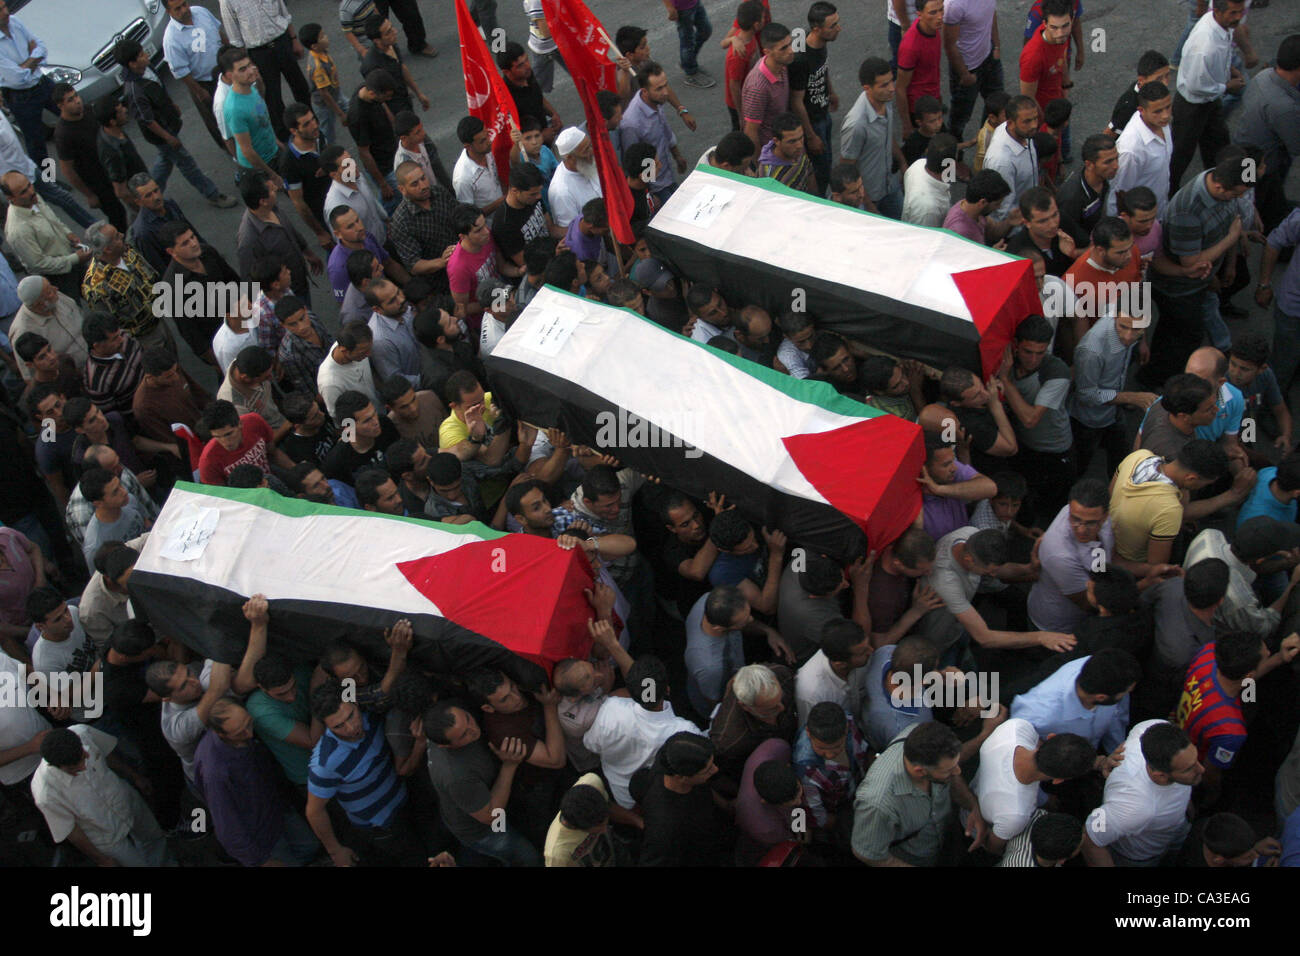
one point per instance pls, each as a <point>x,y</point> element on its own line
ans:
<point>1080,653</point>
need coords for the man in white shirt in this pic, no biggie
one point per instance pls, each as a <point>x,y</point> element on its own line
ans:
<point>575,181</point>
<point>628,731</point>
<point>474,178</point>
<point>1144,813</point>
<point>1013,763</point>
<point>926,193</point>
<point>1204,76</point>
<point>21,727</point>
<point>236,333</point>
<point>828,674</point>
<point>347,367</point>
<point>354,191</point>
<point>81,789</point>
<point>1011,152</point>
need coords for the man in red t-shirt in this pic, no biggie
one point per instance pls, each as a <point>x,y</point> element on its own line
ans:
<point>1105,279</point>
<point>1043,60</point>
<point>741,54</point>
<point>236,440</point>
<point>918,60</point>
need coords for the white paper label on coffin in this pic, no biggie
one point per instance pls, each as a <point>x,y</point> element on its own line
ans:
<point>188,538</point>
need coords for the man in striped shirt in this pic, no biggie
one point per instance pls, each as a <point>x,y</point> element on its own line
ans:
<point>352,761</point>
<point>1210,707</point>
<point>785,158</point>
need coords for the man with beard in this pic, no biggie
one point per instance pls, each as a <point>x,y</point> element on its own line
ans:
<point>575,180</point>
<point>835,364</point>
<point>420,228</point>
<point>311,484</point>
<point>394,350</point>
<point>443,349</point>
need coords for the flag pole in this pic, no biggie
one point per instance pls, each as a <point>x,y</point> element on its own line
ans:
<point>614,47</point>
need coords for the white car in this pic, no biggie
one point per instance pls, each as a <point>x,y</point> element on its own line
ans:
<point>79,36</point>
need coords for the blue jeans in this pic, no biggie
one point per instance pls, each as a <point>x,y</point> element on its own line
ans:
<point>1215,327</point>
<point>821,163</point>
<point>895,39</point>
<point>1178,50</point>
<point>180,158</point>
<point>693,31</point>
<point>297,845</point>
<point>509,848</point>
<point>988,79</point>
<point>58,196</point>
<point>325,117</point>
<point>1286,348</point>
<point>891,204</point>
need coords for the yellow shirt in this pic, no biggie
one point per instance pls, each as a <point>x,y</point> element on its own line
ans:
<point>982,145</point>
<point>453,431</point>
<point>1144,510</point>
<point>568,847</point>
<point>324,74</point>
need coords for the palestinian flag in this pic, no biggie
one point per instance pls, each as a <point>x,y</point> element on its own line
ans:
<point>910,291</point>
<point>791,453</point>
<point>472,595</point>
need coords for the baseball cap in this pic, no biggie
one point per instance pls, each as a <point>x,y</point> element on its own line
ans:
<point>1259,537</point>
<point>651,274</point>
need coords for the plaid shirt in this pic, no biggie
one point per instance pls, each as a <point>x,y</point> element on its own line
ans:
<point>300,359</point>
<point>124,290</point>
<point>270,332</point>
<point>829,787</point>
<point>565,517</point>
<point>111,382</point>
<point>79,510</point>
<point>418,233</point>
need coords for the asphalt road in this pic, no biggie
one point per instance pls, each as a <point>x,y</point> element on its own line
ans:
<point>1117,32</point>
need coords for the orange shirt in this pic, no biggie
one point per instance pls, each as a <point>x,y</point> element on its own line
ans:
<point>1083,278</point>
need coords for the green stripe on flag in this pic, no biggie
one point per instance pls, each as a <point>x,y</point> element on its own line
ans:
<point>821,394</point>
<point>772,186</point>
<point>300,508</point>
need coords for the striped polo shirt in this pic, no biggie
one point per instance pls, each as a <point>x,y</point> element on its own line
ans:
<point>1211,718</point>
<point>360,773</point>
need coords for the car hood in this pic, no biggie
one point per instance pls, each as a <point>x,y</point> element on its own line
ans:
<point>95,24</point>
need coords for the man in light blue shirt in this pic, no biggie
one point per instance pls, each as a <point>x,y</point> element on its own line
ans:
<point>395,350</point>
<point>715,646</point>
<point>26,88</point>
<point>1274,494</point>
<point>1088,697</point>
<point>644,122</point>
<point>190,45</point>
<point>881,716</point>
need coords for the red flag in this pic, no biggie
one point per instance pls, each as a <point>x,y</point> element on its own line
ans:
<point>581,42</point>
<point>485,92</point>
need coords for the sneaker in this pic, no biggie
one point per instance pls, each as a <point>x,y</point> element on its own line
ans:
<point>222,201</point>
<point>701,80</point>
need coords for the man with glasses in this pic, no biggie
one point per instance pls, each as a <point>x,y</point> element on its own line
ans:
<point>902,806</point>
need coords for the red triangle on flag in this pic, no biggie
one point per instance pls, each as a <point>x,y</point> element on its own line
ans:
<point>852,468</point>
<point>520,590</point>
<point>999,297</point>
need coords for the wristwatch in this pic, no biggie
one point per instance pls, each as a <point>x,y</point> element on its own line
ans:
<point>682,110</point>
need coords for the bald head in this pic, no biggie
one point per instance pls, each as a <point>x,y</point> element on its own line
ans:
<point>1208,363</point>
<point>18,189</point>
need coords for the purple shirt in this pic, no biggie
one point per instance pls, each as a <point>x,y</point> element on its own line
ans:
<point>957,221</point>
<point>1287,289</point>
<point>338,263</point>
<point>943,515</point>
<point>238,785</point>
<point>1066,564</point>
<point>975,17</point>
<point>764,824</point>
<point>584,247</point>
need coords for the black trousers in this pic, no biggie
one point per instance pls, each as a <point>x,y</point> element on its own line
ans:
<point>397,844</point>
<point>275,61</point>
<point>1195,124</point>
<point>1049,476</point>
<point>1179,332</point>
<point>1111,439</point>
<point>408,14</point>
<point>205,112</point>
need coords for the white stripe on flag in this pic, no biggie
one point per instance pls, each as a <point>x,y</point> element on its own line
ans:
<point>835,244</point>
<point>678,385</point>
<point>349,559</point>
